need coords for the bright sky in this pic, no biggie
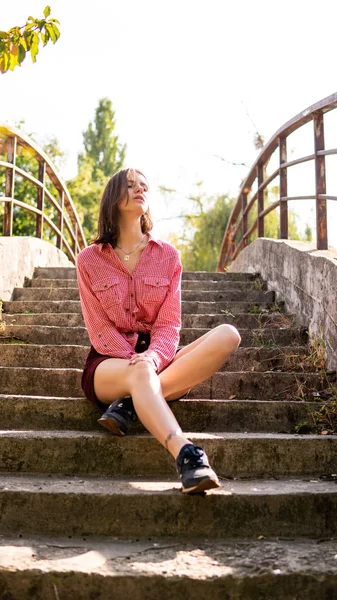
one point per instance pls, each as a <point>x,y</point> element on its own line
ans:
<point>182,76</point>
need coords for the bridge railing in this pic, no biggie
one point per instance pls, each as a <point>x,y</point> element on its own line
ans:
<point>47,199</point>
<point>238,233</point>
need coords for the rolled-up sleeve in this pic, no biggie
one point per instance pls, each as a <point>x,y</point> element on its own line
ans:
<point>166,328</point>
<point>102,333</point>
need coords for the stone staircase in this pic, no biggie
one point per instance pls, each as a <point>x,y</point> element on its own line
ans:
<point>98,516</point>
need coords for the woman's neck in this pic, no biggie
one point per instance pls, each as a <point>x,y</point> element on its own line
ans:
<point>130,233</point>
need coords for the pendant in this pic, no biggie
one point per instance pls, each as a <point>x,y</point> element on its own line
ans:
<point>127,257</point>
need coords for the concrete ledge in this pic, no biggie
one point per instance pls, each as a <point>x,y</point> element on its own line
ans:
<point>157,568</point>
<point>305,278</point>
<point>20,256</point>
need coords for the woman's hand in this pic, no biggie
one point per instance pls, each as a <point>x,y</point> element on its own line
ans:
<point>142,358</point>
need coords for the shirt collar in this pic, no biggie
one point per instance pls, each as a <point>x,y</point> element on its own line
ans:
<point>155,240</point>
<point>151,239</point>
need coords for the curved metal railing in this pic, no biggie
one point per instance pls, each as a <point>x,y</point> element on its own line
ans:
<point>238,221</point>
<point>57,215</point>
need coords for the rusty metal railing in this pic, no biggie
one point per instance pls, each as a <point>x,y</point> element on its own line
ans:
<point>60,218</point>
<point>238,222</point>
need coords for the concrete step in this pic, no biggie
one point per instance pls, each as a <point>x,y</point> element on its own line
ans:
<point>43,306</point>
<point>152,568</point>
<point>57,413</point>
<point>232,455</point>
<point>242,385</point>
<point>187,284</point>
<point>206,296</point>
<point>44,334</point>
<point>290,358</point>
<point>243,320</point>
<point>98,507</point>
<point>70,273</point>
<point>188,307</point>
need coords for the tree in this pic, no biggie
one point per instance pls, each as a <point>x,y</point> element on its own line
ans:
<point>201,240</point>
<point>101,143</point>
<point>103,156</point>
<point>18,41</point>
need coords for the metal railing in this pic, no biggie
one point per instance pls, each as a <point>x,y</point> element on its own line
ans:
<point>238,222</point>
<point>64,226</point>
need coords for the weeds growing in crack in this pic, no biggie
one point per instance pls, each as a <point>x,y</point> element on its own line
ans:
<point>257,285</point>
<point>255,309</point>
<point>324,419</point>
<point>276,307</point>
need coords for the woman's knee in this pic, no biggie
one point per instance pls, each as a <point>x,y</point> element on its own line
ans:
<point>229,335</point>
<point>140,373</point>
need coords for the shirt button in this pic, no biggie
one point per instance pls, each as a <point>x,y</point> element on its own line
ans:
<point>157,282</point>
<point>105,345</point>
<point>127,310</point>
<point>131,295</point>
<point>99,335</point>
<point>133,314</point>
<point>105,285</point>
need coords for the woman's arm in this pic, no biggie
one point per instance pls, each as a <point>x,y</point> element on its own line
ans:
<point>166,328</point>
<point>102,333</point>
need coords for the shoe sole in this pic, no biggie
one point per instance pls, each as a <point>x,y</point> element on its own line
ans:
<point>110,425</point>
<point>202,486</point>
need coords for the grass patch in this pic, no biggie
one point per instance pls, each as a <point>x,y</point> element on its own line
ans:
<point>323,420</point>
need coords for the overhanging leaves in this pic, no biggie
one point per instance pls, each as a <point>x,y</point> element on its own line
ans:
<point>15,43</point>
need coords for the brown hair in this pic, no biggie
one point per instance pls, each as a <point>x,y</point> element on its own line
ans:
<point>108,219</point>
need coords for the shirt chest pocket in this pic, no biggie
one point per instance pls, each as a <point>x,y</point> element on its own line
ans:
<point>107,291</point>
<point>154,289</point>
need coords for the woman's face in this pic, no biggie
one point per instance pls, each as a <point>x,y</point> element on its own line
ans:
<point>137,197</point>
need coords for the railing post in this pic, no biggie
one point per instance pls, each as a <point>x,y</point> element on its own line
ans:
<point>244,217</point>
<point>283,189</point>
<point>9,186</point>
<point>260,201</point>
<point>321,213</point>
<point>75,230</point>
<point>60,220</point>
<point>40,199</point>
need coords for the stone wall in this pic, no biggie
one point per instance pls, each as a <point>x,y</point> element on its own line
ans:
<point>20,255</point>
<point>305,278</point>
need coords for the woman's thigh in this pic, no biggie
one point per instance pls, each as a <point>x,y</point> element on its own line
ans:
<point>111,379</point>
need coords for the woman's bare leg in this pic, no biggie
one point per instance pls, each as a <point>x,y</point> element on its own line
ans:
<point>199,361</point>
<point>193,364</point>
<point>143,384</point>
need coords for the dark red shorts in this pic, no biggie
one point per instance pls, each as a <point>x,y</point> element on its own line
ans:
<point>94,359</point>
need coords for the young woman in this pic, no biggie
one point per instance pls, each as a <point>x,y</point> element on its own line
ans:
<point>130,289</point>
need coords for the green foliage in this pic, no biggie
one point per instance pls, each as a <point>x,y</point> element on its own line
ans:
<point>86,194</point>
<point>103,156</point>
<point>18,41</point>
<point>101,144</point>
<point>200,243</point>
<point>201,240</point>
<point>24,222</point>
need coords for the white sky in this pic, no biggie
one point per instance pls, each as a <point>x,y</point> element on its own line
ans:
<point>182,76</point>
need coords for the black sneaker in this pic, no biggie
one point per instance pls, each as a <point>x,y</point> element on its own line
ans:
<point>119,416</point>
<point>194,471</point>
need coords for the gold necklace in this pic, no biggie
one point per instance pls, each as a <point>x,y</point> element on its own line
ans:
<point>127,254</point>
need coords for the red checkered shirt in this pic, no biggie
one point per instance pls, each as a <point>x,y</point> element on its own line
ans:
<point>116,304</point>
